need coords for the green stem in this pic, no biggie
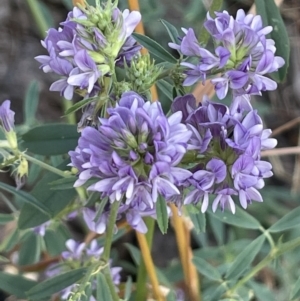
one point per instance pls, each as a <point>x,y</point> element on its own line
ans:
<point>141,293</point>
<point>38,17</point>
<point>268,236</point>
<point>107,247</point>
<point>71,118</point>
<point>46,166</point>
<point>274,253</point>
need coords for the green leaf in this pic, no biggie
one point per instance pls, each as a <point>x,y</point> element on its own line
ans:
<point>103,292</point>
<point>245,258</point>
<point>4,259</point>
<point>6,218</point>
<point>288,221</point>
<point>55,240</point>
<point>55,200</point>
<point>51,139</point>
<point>295,293</point>
<point>197,217</point>
<point>270,14</point>
<point>26,198</point>
<point>80,104</point>
<point>218,229</point>
<point>162,214</point>
<point>166,88</point>
<point>135,253</point>
<point>128,288</point>
<point>55,284</point>
<point>10,241</point>
<point>204,268</point>
<point>31,103</point>
<point>63,183</point>
<point>240,219</point>
<point>262,292</point>
<point>15,285</point>
<point>30,250</point>
<point>172,31</point>
<point>154,48</point>
<point>204,36</point>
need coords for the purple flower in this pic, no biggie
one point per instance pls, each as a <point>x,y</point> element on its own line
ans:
<point>243,55</point>
<point>229,143</point>
<point>7,116</point>
<point>134,154</point>
<point>81,255</point>
<point>41,229</point>
<point>88,74</point>
<point>82,50</point>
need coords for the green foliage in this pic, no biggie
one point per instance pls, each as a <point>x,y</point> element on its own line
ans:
<point>102,288</point>
<point>6,218</point>
<point>271,16</point>
<point>53,200</point>
<point>206,269</point>
<point>15,285</point>
<point>288,221</point>
<point>51,139</point>
<point>31,103</point>
<point>162,214</point>
<point>245,258</point>
<point>55,284</point>
<point>26,198</point>
<point>241,218</point>
<point>154,48</point>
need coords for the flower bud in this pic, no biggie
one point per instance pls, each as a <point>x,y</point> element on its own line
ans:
<point>21,173</point>
<point>79,3</point>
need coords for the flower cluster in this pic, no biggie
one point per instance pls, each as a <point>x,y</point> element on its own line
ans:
<point>227,150</point>
<point>242,57</point>
<point>87,47</point>
<point>134,153</point>
<point>80,255</point>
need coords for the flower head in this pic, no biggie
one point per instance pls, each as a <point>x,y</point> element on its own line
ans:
<point>134,155</point>
<point>228,150</point>
<point>84,49</point>
<point>243,55</point>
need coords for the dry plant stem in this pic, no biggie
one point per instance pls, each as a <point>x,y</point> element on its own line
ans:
<point>286,126</point>
<point>193,278</point>
<point>134,5</point>
<point>183,237</point>
<point>145,251</point>
<point>281,151</point>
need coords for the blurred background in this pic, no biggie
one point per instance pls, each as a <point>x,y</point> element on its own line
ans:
<point>20,38</point>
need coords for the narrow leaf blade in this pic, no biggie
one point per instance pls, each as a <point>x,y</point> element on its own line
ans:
<point>288,221</point>
<point>154,48</point>
<point>26,198</point>
<point>55,284</point>
<point>172,31</point>
<point>8,284</point>
<point>51,139</point>
<point>270,14</point>
<point>162,214</point>
<point>245,258</point>
<point>206,269</point>
<point>240,219</point>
